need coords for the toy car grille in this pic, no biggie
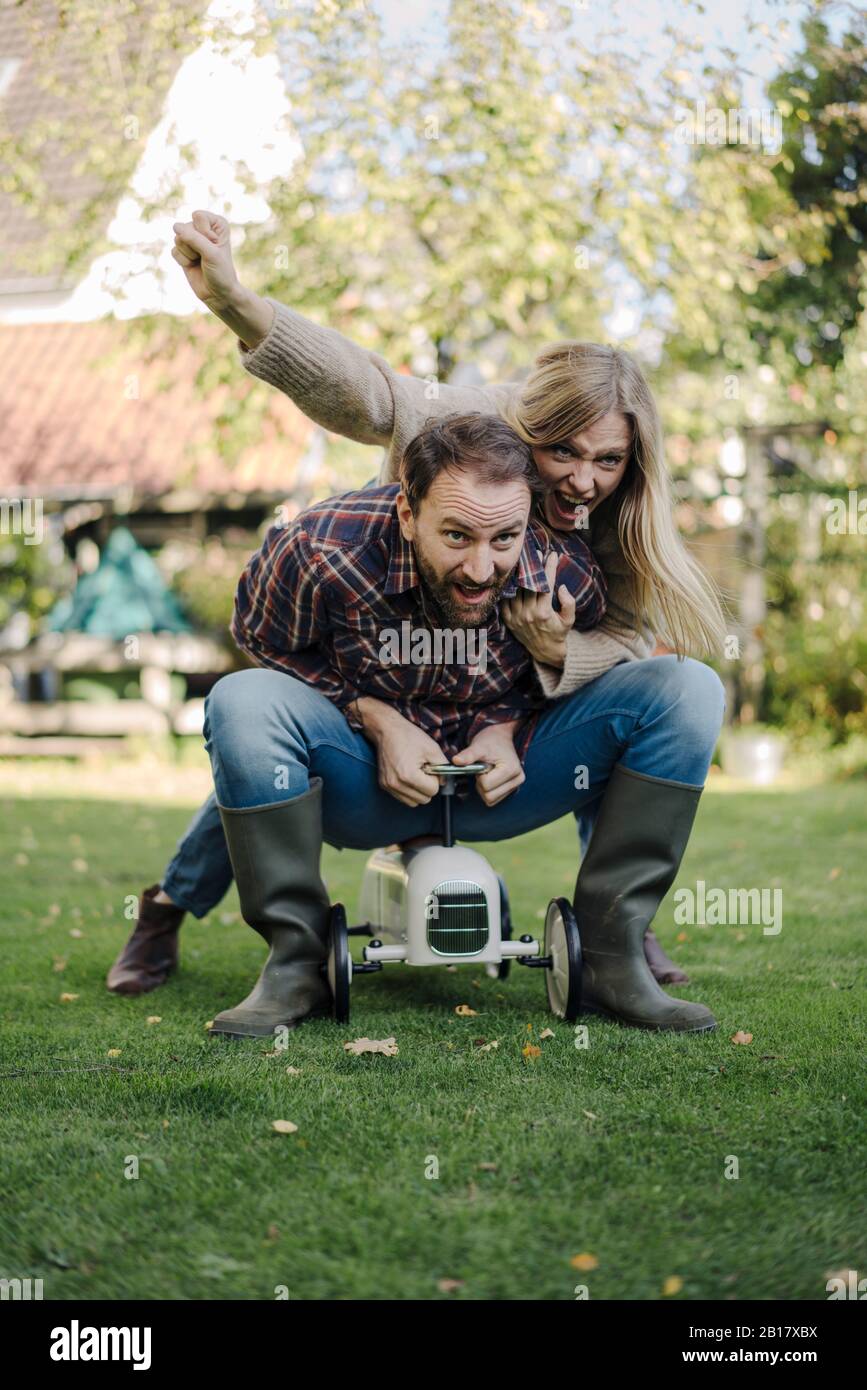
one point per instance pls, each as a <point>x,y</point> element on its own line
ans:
<point>457,920</point>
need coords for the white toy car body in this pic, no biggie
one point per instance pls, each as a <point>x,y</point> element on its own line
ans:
<point>443,904</point>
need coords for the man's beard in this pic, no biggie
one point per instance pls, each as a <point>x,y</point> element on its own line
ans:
<point>441,596</point>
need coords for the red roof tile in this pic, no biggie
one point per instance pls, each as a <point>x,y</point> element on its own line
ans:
<point>69,430</point>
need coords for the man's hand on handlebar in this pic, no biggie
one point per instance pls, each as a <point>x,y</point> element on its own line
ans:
<point>495,745</point>
<point>402,749</point>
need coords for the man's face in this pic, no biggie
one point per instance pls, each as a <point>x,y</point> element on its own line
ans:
<point>467,539</point>
<point>583,470</point>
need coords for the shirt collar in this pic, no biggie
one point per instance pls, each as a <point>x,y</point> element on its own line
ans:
<point>529,572</point>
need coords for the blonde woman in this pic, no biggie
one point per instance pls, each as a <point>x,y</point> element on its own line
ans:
<point>592,425</point>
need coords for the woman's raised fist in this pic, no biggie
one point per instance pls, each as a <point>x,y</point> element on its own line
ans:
<point>203,250</point>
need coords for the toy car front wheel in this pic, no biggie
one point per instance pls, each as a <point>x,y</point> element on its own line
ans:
<point>339,966</point>
<point>563,946</point>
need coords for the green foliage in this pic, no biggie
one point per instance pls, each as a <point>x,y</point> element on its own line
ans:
<point>206,585</point>
<point>823,101</point>
<point>31,577</point>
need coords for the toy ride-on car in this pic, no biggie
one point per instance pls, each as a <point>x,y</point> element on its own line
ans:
<point>442,904</point>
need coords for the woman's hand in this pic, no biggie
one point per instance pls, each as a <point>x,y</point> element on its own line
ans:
<point>531,618</point>
<point>203,250</point>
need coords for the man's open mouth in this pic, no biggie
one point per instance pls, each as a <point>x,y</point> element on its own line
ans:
<point>472,595</point>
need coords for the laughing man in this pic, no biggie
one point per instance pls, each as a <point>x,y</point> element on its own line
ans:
<point>329,738</point>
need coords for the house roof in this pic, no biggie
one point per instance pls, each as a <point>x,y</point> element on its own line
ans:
<point>71,430</point>
<point>41,46</point>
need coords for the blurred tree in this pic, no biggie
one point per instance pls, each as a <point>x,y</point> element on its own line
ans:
<point>823,102</point>
<point>456,205</point>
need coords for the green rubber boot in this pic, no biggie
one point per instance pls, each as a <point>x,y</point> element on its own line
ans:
<point>275,857</point>
<point>638,842</point>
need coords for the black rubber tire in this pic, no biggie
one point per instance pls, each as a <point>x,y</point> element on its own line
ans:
<point>569,1004</point>
<point>338,964</point>
<point>505,927</point>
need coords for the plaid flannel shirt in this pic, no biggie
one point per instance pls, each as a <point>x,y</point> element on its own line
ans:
<point>317,597</point>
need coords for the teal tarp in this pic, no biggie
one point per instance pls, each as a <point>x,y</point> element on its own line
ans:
<point>125,594</point>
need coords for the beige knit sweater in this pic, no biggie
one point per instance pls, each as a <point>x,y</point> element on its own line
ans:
<point>354,392</point>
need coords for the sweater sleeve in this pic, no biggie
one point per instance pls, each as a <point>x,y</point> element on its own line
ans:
<point>588,655</point>
<point>352,391</point>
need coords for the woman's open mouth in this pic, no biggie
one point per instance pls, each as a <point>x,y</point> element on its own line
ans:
<point>568,510</point>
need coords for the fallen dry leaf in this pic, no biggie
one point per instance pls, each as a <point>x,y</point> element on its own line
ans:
<point>590,1115</point>
<point>77,933</point>
<point>741,1037</point>
<point>489,1047</point>
<point>584,1261</point>
<point>835,872</point>
<point>449,1285</point>
<point>284,1126</point>
<point>547,1033</point>
<point>387,1046</point>
<point>682,936</point>
<point>154,1018</point>
<point>293,1071</point>
<point>272,1234</point>
<point>113,1052</point>
<point>210,1023</point>
<point>464,1011</point>
<point>487,1167</point>
<point>68,998</point>
<point>672,1285</point>
<point>531,1051</point>
<point>60,964</point>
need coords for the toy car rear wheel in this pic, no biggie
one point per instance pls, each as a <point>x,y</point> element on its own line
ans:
<point>563,945</point>
<point>339,965</point>
<point>501,971</point>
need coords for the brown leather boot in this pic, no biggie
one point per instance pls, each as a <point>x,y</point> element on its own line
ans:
<point>151,954</point>
<point>662,967</point>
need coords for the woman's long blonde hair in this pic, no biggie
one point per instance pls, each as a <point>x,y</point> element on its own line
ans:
<point>572,385</point>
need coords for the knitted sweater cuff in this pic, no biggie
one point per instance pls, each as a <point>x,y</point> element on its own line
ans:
<point>292,354</point>
<point>588,655</point>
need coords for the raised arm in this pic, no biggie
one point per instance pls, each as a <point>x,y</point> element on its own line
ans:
<point>342,387</point>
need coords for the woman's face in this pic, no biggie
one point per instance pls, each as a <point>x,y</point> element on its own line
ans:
<point>583,470</point>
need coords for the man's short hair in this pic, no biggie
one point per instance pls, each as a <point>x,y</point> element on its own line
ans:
<point>483,445</point>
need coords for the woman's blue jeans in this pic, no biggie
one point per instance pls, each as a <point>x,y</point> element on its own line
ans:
<point>267,734</point>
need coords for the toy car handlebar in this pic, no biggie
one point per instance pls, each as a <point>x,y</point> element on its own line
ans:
<point>447,789</point>
<point>449,770</point>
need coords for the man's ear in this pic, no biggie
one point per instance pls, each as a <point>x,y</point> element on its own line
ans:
<point>405,516</point>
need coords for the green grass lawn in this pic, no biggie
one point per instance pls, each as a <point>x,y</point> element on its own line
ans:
<point>617,1151</point>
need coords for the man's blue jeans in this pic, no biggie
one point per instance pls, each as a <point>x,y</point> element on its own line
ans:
<point>268,734</point>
